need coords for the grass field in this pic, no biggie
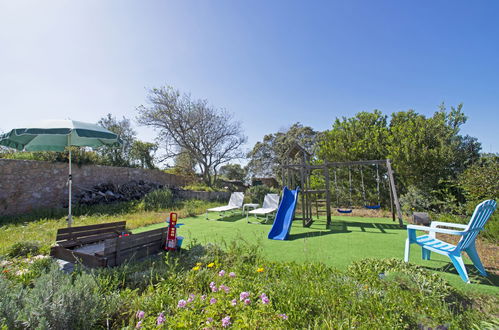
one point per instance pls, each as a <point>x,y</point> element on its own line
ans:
<point>349,239</point>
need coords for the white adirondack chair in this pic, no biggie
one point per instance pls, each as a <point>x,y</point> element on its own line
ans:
<point>468,235</point>
<point>235,202</point>
<point>270,205</point>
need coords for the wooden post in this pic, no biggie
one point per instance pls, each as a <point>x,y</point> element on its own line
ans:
<point>328,195</point>
<point>394,191</point>
<point>304,206</point>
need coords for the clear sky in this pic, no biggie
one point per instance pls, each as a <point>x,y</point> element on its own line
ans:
<point>271,63</point>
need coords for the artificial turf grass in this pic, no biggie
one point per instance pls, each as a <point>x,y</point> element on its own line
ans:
<point>348,239</point>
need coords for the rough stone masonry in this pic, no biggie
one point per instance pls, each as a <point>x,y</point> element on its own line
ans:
<point>26,185</point>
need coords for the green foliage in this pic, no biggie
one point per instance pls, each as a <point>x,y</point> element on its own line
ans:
<point>194,207</point>
<point>160,199</point>
<point>257,193</point>
<point>202,187</point>
<point>233,172</point>
<point>143,153</point>
<point>267,156</point>
<point>363,136</point>
<point>123,128</point>
<point>415,200</point>
<point>23,249</point>
<point>481,180</point>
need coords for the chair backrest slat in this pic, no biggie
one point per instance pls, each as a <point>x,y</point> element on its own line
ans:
<point>236,199</point>
<point>482,213</point>
<point>271,201</point>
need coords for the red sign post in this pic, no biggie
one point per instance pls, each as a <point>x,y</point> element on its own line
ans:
<point>171,240</point>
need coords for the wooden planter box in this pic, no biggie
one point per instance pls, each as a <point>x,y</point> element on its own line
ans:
<point>100,245</point>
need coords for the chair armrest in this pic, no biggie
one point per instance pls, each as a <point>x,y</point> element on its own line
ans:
<point>435,224</point>
<point>435,230</point>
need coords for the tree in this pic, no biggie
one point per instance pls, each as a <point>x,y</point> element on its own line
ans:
<point>481,180</point>
<point>123,127</point>
<point>361,137</point>
<point>209,135</point>
<point>267,156</point>
<point>429,151</point>
<point>233,172</point>
<point>143,153</point>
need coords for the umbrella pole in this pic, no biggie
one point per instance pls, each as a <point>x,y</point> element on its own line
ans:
<point>70,219</point>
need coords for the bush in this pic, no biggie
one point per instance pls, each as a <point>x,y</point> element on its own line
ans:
<point>415,200</point>
<point>202,187</point>
<point>257,193</point>
<point>159,200</point>
<point>194,207</point>
<point>23,249</point>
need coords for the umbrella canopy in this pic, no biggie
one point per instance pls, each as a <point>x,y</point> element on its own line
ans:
<point>56,135</point>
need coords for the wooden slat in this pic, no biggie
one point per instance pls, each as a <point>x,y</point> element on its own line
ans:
<point>76,257</point>
<point>132,241</point>
<point>91,227</point>
<point>86,240</point>
<point>139,252</point>
<point>65,236</point>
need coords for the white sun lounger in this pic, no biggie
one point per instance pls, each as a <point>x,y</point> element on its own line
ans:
<point>270,205</point>
<point>235,202</point>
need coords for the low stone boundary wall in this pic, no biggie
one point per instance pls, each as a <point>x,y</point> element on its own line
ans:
<point>26,185</point>
<point>219,196</point>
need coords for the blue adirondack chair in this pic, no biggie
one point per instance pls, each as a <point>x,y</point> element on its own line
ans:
<point>468,235</point>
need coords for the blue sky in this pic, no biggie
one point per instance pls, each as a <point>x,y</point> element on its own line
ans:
<point>271,63</point>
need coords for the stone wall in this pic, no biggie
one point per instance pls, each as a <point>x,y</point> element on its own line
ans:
<point>27,185</point>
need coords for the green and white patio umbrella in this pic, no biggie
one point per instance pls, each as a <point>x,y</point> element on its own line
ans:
<point>56,135</point>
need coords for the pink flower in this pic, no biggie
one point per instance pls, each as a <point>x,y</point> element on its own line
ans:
<point>265,300</point>
<point>232,274</point>
<point>243,295</point>
<point>213,287</point>
<point>221,273</point>
<point>212,284</point>
<point>225,288</point>
<point>247,301</point>
<point>161,319</point>
<point>181,303</point>
<point>226,322</point>
<point>233,302</point>
<point>213,301</point>
<point>283,316</point>
<point>203,297</point>
<point>139,325</point>
<point>209,320</point>
<point>140,314</point>
<point>191,298</point>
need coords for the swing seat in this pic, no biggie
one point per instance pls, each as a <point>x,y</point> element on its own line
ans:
<point>344,210</point>
<point>372,207</point>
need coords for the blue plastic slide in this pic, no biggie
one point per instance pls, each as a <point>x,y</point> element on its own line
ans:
<point>285,214</point>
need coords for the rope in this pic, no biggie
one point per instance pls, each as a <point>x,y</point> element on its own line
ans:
<point>350,180</point>
<point>363,187</point>
<point>377,183</point>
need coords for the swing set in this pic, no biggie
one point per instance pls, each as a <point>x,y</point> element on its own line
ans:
<point>297,170</point>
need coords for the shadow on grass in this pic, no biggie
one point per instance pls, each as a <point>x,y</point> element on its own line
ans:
<point>382,227</point>
<point>473,274</point>
<point>334,228</point>
<point>227,217</point>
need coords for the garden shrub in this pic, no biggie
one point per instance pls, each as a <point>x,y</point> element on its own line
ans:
<point>194,207</point>
<point>257,193</point>
<point>23,249</point>
<point>61,301</point>
<point>415,200</point>
<point>159,200</point>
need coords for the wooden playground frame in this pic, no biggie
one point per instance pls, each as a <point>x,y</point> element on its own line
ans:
<point>304,168</point>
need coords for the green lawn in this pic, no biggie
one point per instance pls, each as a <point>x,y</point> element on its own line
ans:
<point>349,239</point>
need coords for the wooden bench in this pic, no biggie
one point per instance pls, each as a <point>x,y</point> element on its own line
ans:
<point>101,245</point>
